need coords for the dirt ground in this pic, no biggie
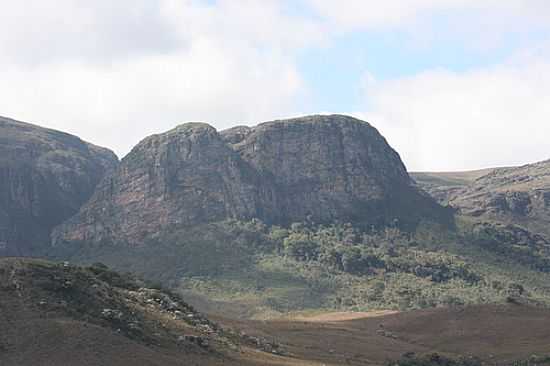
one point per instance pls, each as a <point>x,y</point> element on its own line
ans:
<point>493,333</point>
<point>500,334</point>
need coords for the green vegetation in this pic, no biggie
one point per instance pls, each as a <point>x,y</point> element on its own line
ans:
<point>250,269</point>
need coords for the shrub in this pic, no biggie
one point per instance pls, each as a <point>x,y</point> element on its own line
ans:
<point>301,248</point>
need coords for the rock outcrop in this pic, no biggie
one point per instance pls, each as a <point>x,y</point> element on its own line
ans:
<point>45,176</point>
<point>317,168</point>
<point>518,195</point>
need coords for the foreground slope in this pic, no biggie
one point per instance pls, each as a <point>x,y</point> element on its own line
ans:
<point>45,176</point>
<point>55,314</point>
<point>318,169</point>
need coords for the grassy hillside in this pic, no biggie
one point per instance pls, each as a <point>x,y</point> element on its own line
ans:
<point>444,186</point>
<point>460,178</point>
<point>250,270</point>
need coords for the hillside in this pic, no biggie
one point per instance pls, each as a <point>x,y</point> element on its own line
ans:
<point>513,196</point>
<point>443,185</point>
<point>58,314</point>
<point>45,176</point>
<point>503,210</point>
<point>519,195</point>
<point>517,198</point>
<point>253,270</point>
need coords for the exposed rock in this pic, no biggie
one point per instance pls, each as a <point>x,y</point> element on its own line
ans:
<point>185,176</point>
<point>45,176</point>
<point>318,168</point>
<point>519,195</point>
<point>329,168</point>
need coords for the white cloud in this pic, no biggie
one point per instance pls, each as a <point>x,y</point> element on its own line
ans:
<point>37,32</point>
<point>118,105</point>
<point>478,23</point>
<point>402,13</point>
<point>114,72</point>
<point>444,120</point>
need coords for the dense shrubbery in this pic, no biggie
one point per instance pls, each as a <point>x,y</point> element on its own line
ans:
<point>113,278</point>
<point>343,248</point>
<point>347,268</point>
<point>306,266</point>
<point>514,242</point>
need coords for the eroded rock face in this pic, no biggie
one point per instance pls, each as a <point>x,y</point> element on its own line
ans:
<point>45,176</point>
<point>185,176</point>
<point>318,168</point>
<point>327,168</point>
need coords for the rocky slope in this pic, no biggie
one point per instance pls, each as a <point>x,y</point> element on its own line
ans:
<point>513,196</point>
<point>58,314</point>
<point>45,176</point>
<point>317,168</point>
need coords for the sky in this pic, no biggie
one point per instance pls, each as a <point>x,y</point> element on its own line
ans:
<point>451,84</point>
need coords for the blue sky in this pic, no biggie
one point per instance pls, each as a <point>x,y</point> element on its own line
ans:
<point>452,84</point>
<point>392,54</point>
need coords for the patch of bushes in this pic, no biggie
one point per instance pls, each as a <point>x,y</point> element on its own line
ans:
<point>126,281</point>
<point>514,242</point>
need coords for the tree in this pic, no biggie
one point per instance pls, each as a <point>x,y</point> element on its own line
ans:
<point>300,247</point>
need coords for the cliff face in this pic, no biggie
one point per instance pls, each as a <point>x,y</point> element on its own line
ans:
<point>185,176</point>
<point>326,168</point>
<point>45,176</point>
<point>318,168</point>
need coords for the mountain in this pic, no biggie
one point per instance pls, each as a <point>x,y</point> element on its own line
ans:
<point>45,176</point>
<point>318,169</point>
